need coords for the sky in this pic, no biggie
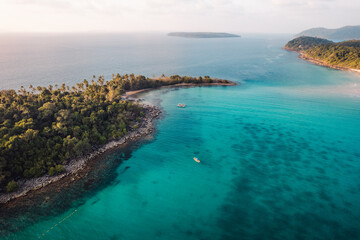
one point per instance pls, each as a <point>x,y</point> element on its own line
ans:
<point>236,16</point>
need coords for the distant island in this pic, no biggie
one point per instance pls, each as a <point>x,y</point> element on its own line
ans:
<point>47,133</point>
<point>342,55</point>
<point>202,35</point>
<point>344,33</point>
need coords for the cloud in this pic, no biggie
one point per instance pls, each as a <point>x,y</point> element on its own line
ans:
<point>139,15</point>
<point>197,7</point>
<point>45,3</point>
<point>81,6</point>
<point>301,3</point>
<point>142,6</point>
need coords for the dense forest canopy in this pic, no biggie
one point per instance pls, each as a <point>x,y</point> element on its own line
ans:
<point>304,43</point>
<point>44,127</point>
<point>342,54</point>
<point>351,43</point>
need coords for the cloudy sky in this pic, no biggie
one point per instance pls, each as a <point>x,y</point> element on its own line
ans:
<point>280,16</point>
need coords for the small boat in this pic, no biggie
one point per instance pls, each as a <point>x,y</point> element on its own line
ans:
<point>196,159</point>
<point>181,105</point>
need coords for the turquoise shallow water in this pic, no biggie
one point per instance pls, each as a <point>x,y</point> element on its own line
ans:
<point>279,153</point>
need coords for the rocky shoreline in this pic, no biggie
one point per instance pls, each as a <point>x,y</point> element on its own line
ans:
<point>145,128</point>
<point>75,166</point>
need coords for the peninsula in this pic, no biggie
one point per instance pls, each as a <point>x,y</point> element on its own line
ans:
<point>341,55</point>
<point>202,35</point>
<point>49,133</point>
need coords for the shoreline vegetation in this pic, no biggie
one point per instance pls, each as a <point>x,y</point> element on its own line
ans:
<point>75,165</point>
<point>109,109</point>
<point>321,63</point>
<point>341,56</point>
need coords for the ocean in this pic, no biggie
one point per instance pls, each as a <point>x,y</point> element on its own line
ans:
<point>279,152</point>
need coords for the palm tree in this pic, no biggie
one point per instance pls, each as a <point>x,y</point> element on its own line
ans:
<point>63,87</point>
<point>86,83</point>
<point>101,80</point>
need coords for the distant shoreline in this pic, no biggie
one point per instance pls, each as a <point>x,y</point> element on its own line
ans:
<point>29,187</point>
<point>203,35</point>
<point>303,56</point>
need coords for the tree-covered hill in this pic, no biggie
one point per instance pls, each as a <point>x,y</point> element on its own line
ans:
<point>340,55</point>
<point>351,43</point>
<point>44,127</point>
<point>304,43</point>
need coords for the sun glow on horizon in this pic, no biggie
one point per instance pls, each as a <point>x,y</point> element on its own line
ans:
<point>175,15</point>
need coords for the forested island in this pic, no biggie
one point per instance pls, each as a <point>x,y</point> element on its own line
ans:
<point>43,128</point>
<point>202,35</point>
<point>340,55</point>
<point>343,33</point>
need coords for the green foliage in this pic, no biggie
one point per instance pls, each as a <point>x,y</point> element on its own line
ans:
<point>59,168</point>
<point>351,43</point>
<point>304,43</point>
<point>344,54</point>
<point>12,186</point>
<point>55,170</point>
<point>336,55</point>
<point>43,128</point>
<point>52,171</point>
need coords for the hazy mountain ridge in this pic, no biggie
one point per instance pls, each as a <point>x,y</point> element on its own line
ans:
<point>344,33</point>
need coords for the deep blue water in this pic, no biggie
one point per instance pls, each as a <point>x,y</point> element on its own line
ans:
<point>280,156</point>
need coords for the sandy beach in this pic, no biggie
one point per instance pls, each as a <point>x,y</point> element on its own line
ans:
<point>129,94</point>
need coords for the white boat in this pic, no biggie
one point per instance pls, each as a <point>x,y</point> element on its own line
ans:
<point>181,105</point>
